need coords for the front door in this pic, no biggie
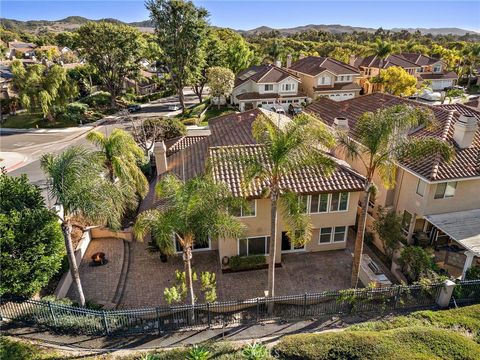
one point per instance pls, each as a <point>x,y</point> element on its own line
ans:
<point>287,246</point>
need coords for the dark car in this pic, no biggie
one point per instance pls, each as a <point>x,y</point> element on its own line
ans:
<point>294,109</point>
<point>134,108</point>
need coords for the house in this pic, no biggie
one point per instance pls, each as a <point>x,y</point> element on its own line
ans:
<point>421,66</point>
<point>429,190</point>
<point>326,77</point>
<point>144,85</point>
<point>330,201</point>
<point>21,49</point>
<point>265,86</point>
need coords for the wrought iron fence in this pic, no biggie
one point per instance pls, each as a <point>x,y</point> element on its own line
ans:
<point>466,292</point>
<point>75,320</point>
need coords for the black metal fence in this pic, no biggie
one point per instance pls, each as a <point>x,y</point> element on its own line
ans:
<point>75,320</point>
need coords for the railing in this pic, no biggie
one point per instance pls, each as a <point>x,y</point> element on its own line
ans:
<point>466,292</point>
<point>75,320</point>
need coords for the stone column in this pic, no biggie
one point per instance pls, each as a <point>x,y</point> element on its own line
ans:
<point>443,299</point>
<point>160,152</point>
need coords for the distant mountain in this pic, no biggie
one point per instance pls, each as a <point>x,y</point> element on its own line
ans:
<point>73,22</point>
<point>336,29</point>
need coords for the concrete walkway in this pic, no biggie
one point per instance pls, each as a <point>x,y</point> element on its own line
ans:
<point>11,160</point>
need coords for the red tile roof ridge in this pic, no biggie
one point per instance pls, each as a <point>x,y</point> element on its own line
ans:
<point>443,137</point>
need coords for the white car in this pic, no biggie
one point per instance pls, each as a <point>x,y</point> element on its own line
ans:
<point>430,95</point>
<point>278,109</point>
<point>174,107</point>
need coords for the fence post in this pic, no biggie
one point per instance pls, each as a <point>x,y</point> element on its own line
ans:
<point>397,296</point>
<point>158,318</point>
<point>445,294</point>
<point>105,323</point>
<point>208,314</point>
<point>258,309</point>
<point>54,318</point>
<point>305,305</point>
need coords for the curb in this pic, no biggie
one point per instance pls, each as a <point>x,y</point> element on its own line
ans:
<point>44,131</point>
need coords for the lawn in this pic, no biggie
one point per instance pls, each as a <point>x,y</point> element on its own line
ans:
<point>33,120</point>
<point>192,114</point>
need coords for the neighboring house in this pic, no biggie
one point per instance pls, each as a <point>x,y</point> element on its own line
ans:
<point>326,77</point>
<point>20,49</point>
<point>144,86</point>
<point>264,86</point>
<point>428,191</point>
<point>330,201</point>
<point>421,66</point>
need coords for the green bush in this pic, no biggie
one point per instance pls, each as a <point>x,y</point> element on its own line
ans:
<point>473,273</point>
<point>415,262</point>
<point>99,98</point>
<point>246,262</point>
<point>198,353</point>
<point>77,108</point>
<point>255,351</point>
<point>190,121</point>
<point>16,350</point>
<point>404,343</point>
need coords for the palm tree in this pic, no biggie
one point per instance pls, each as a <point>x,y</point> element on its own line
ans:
<point>121,155</point>
<point>380,143</point>
<point>382,48</point>
<point>74,180</point>
<point>285,151</point>
<point>194,212</point>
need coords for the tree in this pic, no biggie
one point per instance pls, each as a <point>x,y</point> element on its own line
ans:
<point>415,262</point>
<point>75,181</point>
<point>31,242</point>
<point>389,226</point>
<point>398,81</point>
<point>453,93</point>
<point>43,87</point>
<point>286,151</point>
<point>221,81</point>
<point>236,53</point>
<point>380,145</point>
<point>382,48</point>
<point>195,211</point>
<point>181,29</point>
<point>120,155</point>
<point>113,49</point>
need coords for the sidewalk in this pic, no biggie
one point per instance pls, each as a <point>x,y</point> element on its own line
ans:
<point>11,160</point>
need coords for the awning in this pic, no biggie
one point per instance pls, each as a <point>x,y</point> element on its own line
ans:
<point>461,226</point>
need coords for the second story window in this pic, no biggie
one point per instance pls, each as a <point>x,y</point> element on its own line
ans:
<point>445,190</point>
<point>247,210</point>
<point>288,87</point>
<point>268,87</point>
<point>437,68</point>
<point>319,203</point>
<point>323,203</point>
<point>339,202</point>
<point>421,185</point>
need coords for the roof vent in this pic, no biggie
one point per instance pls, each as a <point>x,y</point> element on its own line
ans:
<point>340,123</point>
<point>464,130</point>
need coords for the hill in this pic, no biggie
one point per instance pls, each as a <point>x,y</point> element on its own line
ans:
<point>73,22</point>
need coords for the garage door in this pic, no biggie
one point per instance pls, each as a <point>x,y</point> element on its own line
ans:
<point>441,84</point>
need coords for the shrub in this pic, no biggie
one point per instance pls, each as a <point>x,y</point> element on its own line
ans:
<point>190,121</point>
<point>389,229</point>
<point>415,262</point>
<point>404,343</point>
<point>473,273</point>
<point>77,108</point>
<point>17,350</point>
<point>170,127</point>
<point>99,98</point>
<point>255,351</point>
<point>246,262</point>
<point>198,353</point>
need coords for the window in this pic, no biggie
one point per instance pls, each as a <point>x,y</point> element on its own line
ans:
<point>348,78</point>
<point>445,190</point>
<point>340,233</point>
<point>253,246</point>
<point>319,203</point>
<point>325,235</point>
<point>303,203</point>
<point>339,202</point>
<point>406,220</point>
<point>437,68</point>
<point>419,70</point>
<point>268,87</point>
<point>198,245</point>
<point>325,80</point>
<point>248,210</point>
<point>341,78</point>
<point>288,87</point>
<point>421,187</point>
<point>336,234</point>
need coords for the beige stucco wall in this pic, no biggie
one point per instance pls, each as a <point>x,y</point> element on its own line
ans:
<point>260,226</point>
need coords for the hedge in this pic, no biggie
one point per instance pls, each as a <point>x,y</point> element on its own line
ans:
<point>246,262</point>
<point>417,342</point>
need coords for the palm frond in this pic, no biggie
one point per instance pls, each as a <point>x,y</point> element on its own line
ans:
<point>297,222</point>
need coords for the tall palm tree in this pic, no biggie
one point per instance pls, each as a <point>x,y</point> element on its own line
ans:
<point>121,155</point>
<point>193,212</point>
<point>285,151</point>
<point>74,180</point>
<point>380,143</point>
<point>382,48</point>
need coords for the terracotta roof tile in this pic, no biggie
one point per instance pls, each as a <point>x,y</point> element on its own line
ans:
<point>256,95</point>
<point>180,143</point>
<point>314,65</point>
<point>467,161</point>
<point>266,73</point>
<point>338,87</point>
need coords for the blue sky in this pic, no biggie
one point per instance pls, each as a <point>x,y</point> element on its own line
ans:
<point>250,14</point>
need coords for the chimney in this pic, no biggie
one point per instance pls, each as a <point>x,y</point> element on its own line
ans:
<point>278,63</point>
<point>351,60</point>
<point>341,123</point>
<point>289,61</point>
<point>464,131</point>
<point>301,56</point>
<point>160,153</point>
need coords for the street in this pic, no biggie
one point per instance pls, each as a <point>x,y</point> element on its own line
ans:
<point>21,152</point>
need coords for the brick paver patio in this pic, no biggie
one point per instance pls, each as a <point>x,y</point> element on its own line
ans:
<point>147,276</point>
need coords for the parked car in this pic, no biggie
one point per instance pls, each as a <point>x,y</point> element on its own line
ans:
<point>134,108</point>
<point>278,109</point>
<point>174,107</point>
<point>295,109</point>
<point>430,95</point>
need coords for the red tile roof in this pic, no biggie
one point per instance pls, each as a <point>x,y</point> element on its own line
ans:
<point>338,87</point>
<point>437,76</point>
<point>266,73</point>
<point>234,131</point>
<point>467,161</point>
<point>180,143</point>
<point>314,65</point>
<point>256,95</point>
